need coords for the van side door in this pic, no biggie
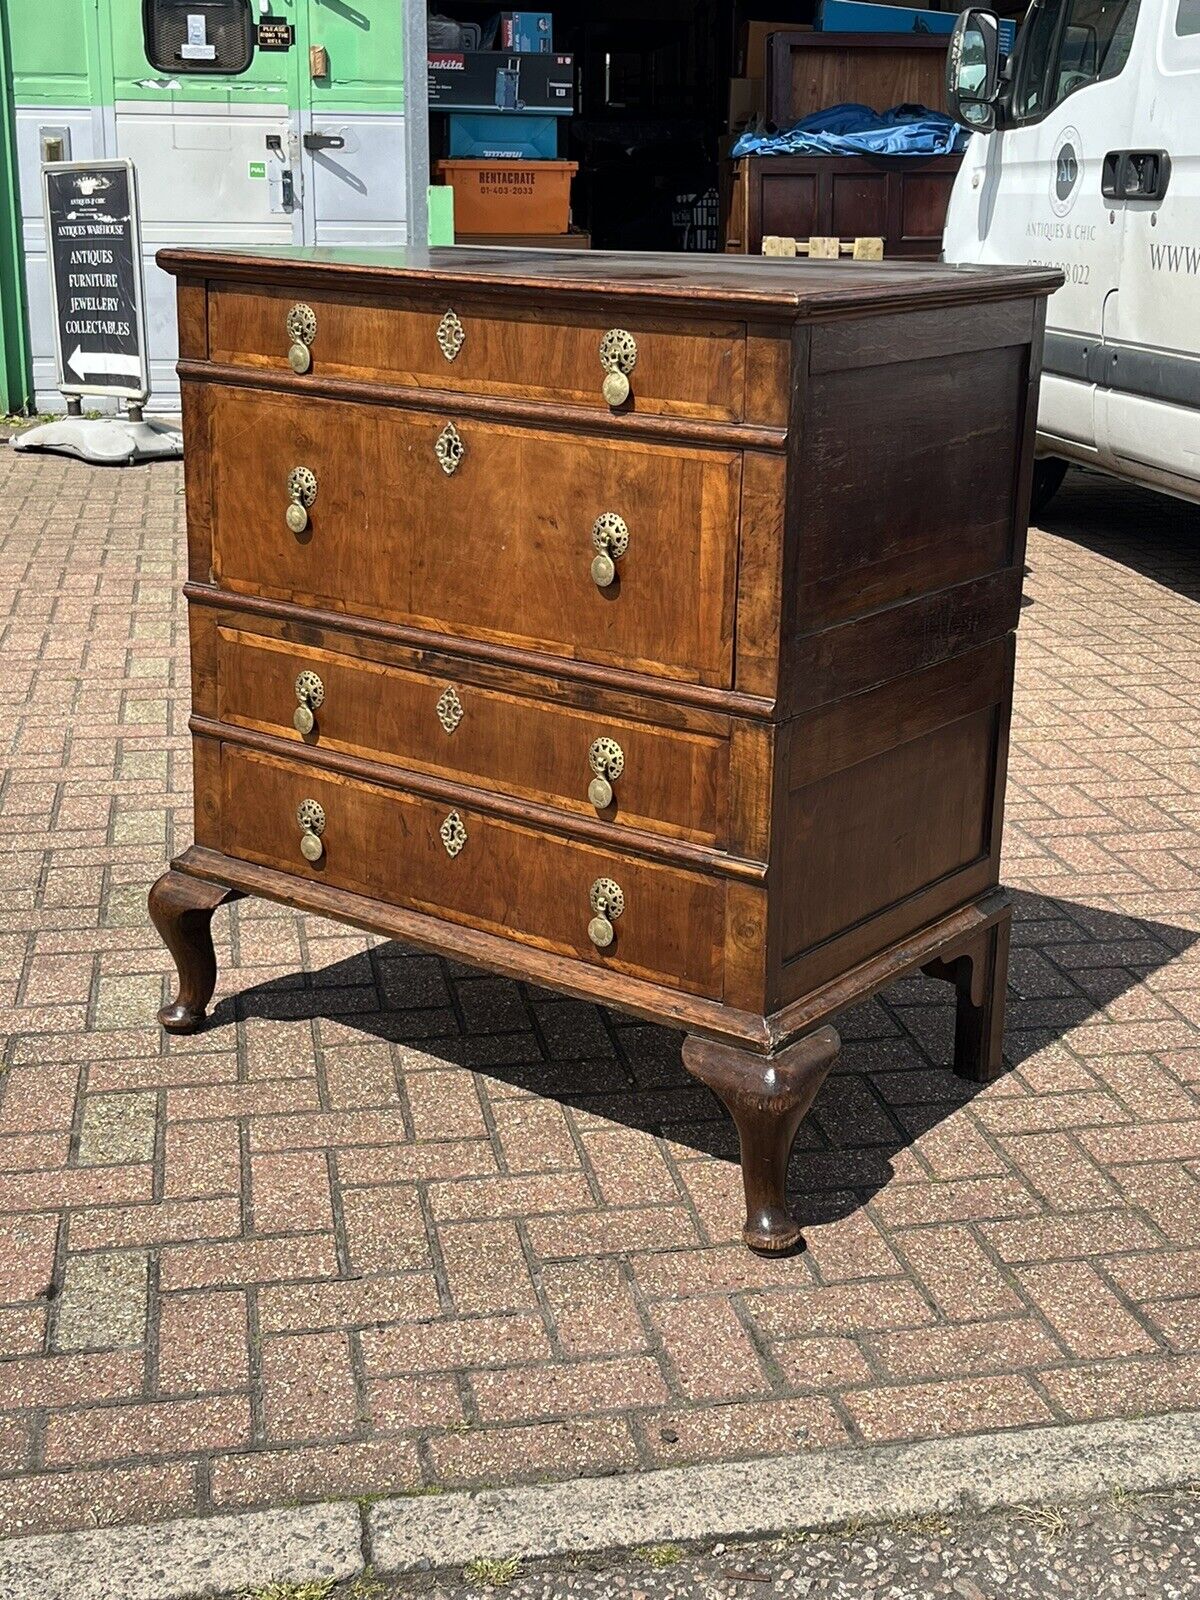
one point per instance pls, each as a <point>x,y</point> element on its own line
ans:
<point>1148,410</point>
<point>1039,200</point>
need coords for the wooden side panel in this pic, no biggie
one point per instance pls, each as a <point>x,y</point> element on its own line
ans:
<point>747,918</point>
<point>923,200</point>
<point>191,312</point>
<point>859,203</point>
<point>672,782</point>
<point>901,199</point>
<point>919,335</point>
<point>892,813</point>
<point>506,879</point>
<point>499,551</point>
<point>878,78</point>
<point>760,573</point>
<point>809,71</point>
<point>912,476</point>
<point>206,792</point>
<point>768,374</point>
<point>788,203</point>
<point>692,368</point>
<point>195,401</point>
<point>898,640</point>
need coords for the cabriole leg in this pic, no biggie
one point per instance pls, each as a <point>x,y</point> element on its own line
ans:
<point>767,1097</point>
<point>979,973</point>
<point>181,908</point>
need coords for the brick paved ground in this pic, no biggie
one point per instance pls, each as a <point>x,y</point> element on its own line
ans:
<point>308,1252</point>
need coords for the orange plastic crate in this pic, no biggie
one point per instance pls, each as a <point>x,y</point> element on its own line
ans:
<point>510,196</point>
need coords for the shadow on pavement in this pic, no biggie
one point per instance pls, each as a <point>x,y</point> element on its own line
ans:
<point>892,1082</point>
<point>1154,534</point>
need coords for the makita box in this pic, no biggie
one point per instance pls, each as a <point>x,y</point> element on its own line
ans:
<point>531,31</point>
<point>500,80</point>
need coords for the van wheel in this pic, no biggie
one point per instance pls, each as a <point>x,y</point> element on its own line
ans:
<point>1048,474</point>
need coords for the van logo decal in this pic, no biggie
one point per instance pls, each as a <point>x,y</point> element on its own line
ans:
<point>1066,171</point>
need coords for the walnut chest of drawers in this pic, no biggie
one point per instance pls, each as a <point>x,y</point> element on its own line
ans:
<point>639,626</point>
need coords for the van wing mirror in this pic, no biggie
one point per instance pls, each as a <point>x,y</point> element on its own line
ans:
<point>973,70</point>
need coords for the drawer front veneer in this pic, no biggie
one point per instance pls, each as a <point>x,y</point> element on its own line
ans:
<point>501,548</point>
<point>664,779</point>
<point>693,369</point>
<point>462,866</point>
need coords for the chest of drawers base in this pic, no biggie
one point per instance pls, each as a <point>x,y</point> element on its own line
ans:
<point>766,1071</point>
<point>640,628</point>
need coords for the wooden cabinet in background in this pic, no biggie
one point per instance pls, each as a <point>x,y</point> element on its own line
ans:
<point>899,199</point>
<point>640,627</point>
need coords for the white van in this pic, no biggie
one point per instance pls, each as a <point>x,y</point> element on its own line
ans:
<point>1086,157</point>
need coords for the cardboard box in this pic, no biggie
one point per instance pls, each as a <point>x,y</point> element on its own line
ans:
<point>499,80</point>
<point>754,49</point>
<point>503,136</point>
<point>746,101</point>
<point>528,31</point>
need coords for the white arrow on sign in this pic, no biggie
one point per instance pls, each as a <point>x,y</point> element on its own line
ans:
<point>102,361</point>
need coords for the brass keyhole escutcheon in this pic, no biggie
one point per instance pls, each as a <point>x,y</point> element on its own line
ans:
<point>454,834</point>
<point>310,815</point>
<point>607,761</point>
<point>449,709</point>
<point>451,335</point>
<point>449,449</point>
<point>302,491</point>
<point>310,693</point>
<point>610,538</point>
<point>607,900</point>
<point>301,324</point>
<point>618,357</point>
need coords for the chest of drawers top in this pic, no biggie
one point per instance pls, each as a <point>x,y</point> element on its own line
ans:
<point>528,326</point>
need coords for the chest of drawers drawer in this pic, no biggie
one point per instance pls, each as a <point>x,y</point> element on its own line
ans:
<point>480,529</point>
<point>663,922</point>
<point>590,762</point>
<point>694,369</point>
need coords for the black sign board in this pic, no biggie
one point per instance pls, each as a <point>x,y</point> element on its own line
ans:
<point>95,250</point>
<point>275,33</point>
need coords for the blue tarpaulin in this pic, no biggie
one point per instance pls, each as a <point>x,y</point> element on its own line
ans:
<point>850,130</point>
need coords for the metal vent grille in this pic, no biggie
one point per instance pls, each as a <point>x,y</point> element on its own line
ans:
<point>228,33</point>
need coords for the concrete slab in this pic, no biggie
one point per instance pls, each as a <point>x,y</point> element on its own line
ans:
<point>185,1560</point>
<point>821,1489</point>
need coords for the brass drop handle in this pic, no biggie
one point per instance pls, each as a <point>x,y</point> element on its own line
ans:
<point>610,539</point>
<point>302,491</point>
<point>310,693</point>
<point>607,761</point>
<point>310,814</point>
<point>301,323</point>
<point>618,357</point>
<point>608,902</point>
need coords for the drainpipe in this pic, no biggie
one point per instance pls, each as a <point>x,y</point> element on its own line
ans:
<point>16,387</point>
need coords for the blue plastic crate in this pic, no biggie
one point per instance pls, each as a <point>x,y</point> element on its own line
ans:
<point>476,136</point>
<point>859,16</point>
